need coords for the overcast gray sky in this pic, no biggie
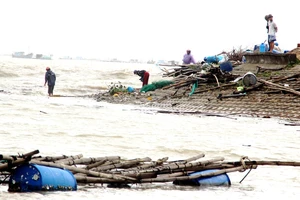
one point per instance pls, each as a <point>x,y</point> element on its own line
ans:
<point>144,29</point>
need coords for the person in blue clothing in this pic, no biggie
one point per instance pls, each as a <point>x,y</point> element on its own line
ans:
<point>50,78</point>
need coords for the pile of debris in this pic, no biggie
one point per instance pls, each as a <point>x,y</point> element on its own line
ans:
<point>185,75</point>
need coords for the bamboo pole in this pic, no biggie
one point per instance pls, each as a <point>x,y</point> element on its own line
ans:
<point>6,157</point>
<point>84,171</point>
<point>214,88</point>
<point>69,159</point>
<point>147,165</point>
<point>271,163</point>
<point>201,155</point>
<point>108,163</point>
<point>173,85</point>
<point>96,164</point>
<point>50,158</point>
<point>287,77</point>
<point>175,174</point>
<point>279,86</point>
<point>87,160</point>
<point>31,153</point>
<point>124,164</point>
<point>19,160</point>
<point>139,176</point>
<point>87,179</point>
<point>7,166</point>
<point>190,177</point>
<point>173,166</point>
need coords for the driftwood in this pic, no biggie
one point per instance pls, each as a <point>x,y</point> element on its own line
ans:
<point>214,88</point>
<point>279,86</point>
<point>263,69</point>
<point>286,77</point>
<point>259,85</point>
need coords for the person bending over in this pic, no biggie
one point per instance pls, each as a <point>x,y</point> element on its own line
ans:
<point>144,76</point>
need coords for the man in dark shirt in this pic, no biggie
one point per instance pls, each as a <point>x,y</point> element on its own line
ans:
<point>50,78</point>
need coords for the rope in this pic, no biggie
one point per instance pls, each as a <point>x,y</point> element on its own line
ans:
<point>217,80</point>
<point>243,158</point>
<point>193,89</point>
<point>243,162</point>
<point>246,174</point>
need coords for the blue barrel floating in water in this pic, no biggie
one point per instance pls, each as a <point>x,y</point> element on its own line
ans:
<point>32,177</point>
<point>218,180</point>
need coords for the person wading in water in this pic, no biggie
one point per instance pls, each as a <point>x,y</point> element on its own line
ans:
<point>50,78</point>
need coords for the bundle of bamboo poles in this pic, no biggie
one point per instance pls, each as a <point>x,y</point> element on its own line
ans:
<point>115,170</point>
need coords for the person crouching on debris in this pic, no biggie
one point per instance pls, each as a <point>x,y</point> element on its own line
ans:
<point>50,78</point>
<point>144,76</point>
<point>188,58</point>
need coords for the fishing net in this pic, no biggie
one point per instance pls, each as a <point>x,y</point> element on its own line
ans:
<point>156,85</point>
<point>161,84</point>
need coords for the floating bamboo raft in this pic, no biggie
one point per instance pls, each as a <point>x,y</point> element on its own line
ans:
<point>116,171</point>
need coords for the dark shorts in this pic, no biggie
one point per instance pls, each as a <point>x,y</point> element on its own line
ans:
<point>271,38</point>
<point>50,89</point>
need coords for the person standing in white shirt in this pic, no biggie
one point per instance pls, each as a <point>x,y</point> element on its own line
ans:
<point>272,32</point>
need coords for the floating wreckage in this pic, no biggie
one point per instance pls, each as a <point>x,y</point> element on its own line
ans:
<point>28,172</point>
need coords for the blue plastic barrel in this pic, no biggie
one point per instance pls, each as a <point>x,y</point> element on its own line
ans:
<point>218,180</point>
<point>32,177</point>
<point>262,48</point>
<point>213,59</point>
<point>226,66</point>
